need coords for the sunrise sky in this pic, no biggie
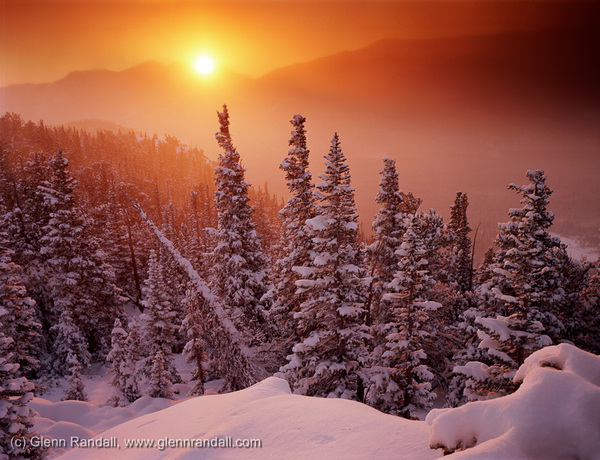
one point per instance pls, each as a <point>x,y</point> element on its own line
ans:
<point>515,87</point>
<point>43,40</point>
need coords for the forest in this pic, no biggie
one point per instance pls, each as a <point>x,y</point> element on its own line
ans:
<point>127,249</point>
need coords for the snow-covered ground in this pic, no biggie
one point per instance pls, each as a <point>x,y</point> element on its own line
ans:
<point>554,414</point>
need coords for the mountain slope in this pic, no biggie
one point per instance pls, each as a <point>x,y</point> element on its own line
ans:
<point>470,113</point>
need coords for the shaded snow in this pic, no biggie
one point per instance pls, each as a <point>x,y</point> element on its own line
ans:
<point>555,413</point>
<point>289,426</point>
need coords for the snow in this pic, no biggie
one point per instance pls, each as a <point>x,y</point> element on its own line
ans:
<point>305,272</point>
<point>553,414</point>
<point>288,426</point>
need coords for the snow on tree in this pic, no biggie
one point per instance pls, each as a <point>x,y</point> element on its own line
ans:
<point>159,327</point>
<point>526,276</point>
<point>124,373</point>
<point>81,283</point>
<point>458,261</point>
<point>17,333</point>
<point>195,346</point>
<point>68,339</point>
<point>232,358</point>
<point>389,227</point>
<point>160,385</point>
<point>240,276</point>
<point>522,296</point>
<point>16,418</point>
<point>327,360</point>
<point>296,241</point>
<point>76,389</point>
<point>112,223</point>
<point>400,379</point>
<point>18,311</point>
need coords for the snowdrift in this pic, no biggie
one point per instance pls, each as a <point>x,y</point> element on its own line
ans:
<point>288,426</point>
<point>555,413</point>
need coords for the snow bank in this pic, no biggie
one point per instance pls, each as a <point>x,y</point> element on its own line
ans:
<point>288,426</point>
<point>555,413</point>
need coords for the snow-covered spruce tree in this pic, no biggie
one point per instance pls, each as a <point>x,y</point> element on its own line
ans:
<point>400,379</point>
<point>75,389</point>
<point>81,283</point>
<point>521,299</point>
<point>195,346</point>
<point>389,227</point>
<point>124,375</point>
<point>115,230</point>
<point>18,311</point>
<point>327,360</point>
<point>69,339</point>
<point>27,214</point>
<point>240,276</point>
<point>16,418</point>
<point>296,241</point>
<point>159,327</point>
<point>160,385</point>
<point>458,260</point>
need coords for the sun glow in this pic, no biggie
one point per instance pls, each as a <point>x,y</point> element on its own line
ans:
<point>204,65</point>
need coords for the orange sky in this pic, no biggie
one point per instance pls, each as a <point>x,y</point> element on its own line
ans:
<point>43,40</point>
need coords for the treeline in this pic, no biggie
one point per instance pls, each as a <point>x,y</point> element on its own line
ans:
<point>99,228</point>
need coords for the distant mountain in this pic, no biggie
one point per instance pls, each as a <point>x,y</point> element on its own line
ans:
<point>470,113</point>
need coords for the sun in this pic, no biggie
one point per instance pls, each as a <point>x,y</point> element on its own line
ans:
<point>204,65</point>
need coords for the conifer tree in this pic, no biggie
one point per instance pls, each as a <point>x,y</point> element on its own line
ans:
<point>25,220</point>
<point>159,330</point>
<point>196,247</point>
<point>76,389</point>
<point>19,315</point>
<point>458,261</point>
<point>327,360</point>
<point>17,333</point>
<point>400,379</point>
<point>124,375</point>
<point>195,346</point>
<point>82,284</point>
<point>16,418</point>
<point>296,241</point>
<point>239,265</point>
<point>389,227</point>
<point>520,300</point>
<point>160,381</point>
<point>230,362</point>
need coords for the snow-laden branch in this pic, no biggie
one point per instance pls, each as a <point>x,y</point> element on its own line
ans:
<point>240,372</point>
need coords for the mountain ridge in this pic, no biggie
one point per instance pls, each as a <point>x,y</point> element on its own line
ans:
<point>498,104</point>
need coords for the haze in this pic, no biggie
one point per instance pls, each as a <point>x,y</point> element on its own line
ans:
<point>465,95</point>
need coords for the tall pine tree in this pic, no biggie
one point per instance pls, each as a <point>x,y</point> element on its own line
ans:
<point>400,378</point>
<point>296,241</point>
<point>240,276</point>
<point>327,360</point>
